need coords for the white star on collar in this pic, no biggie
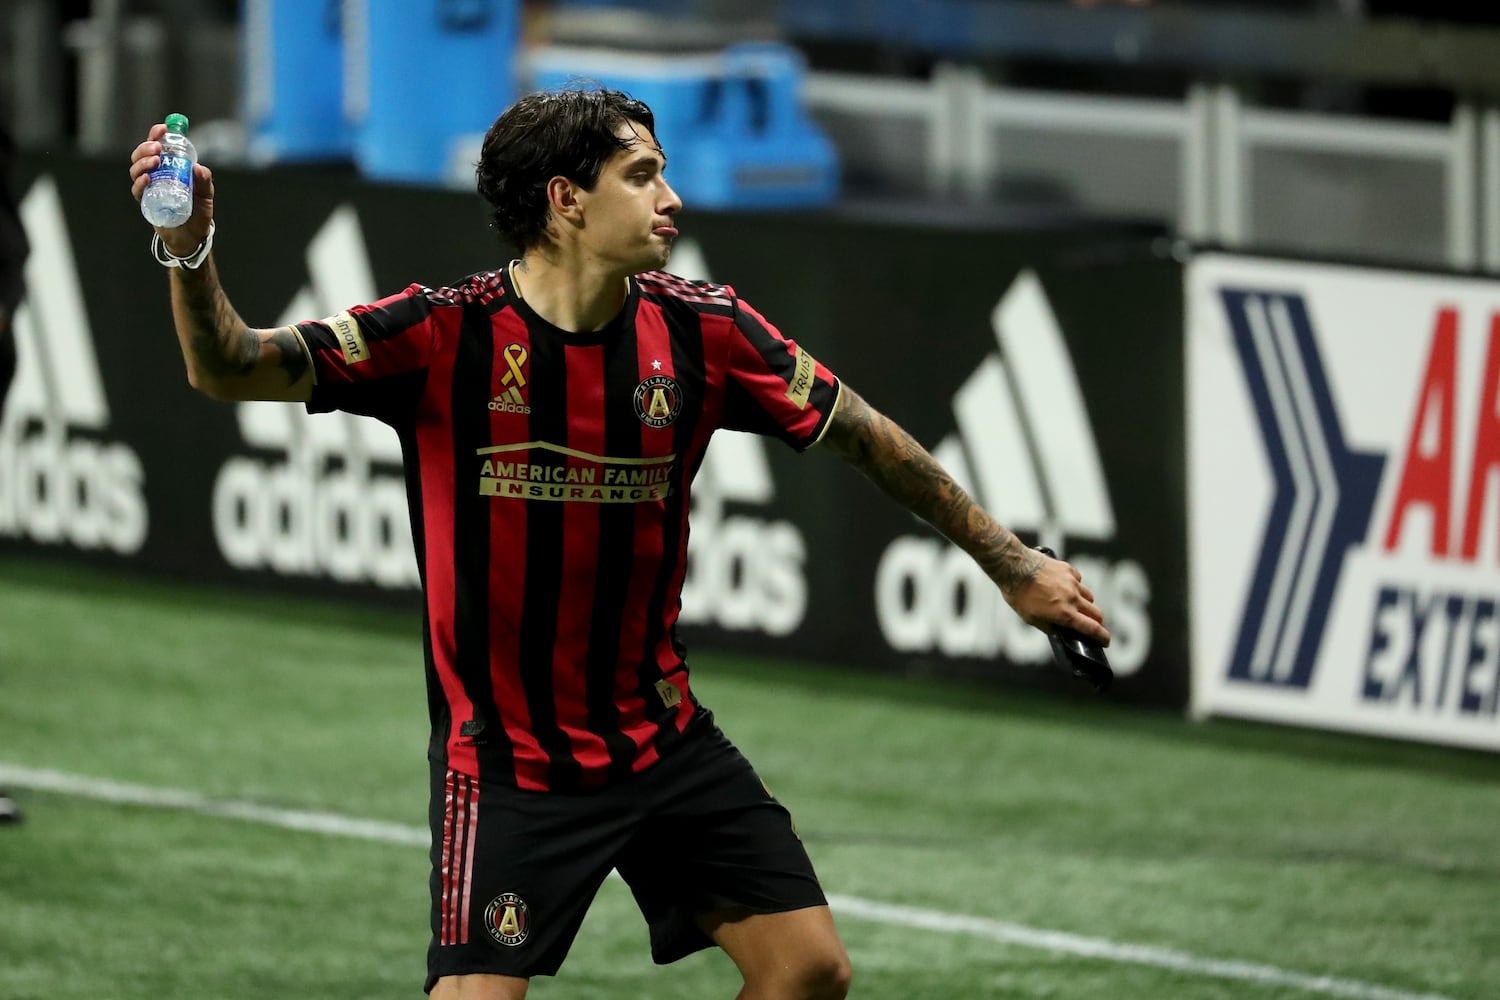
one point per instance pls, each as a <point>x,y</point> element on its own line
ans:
<point>656,366</point>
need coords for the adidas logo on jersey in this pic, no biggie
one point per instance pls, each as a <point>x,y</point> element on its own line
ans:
<point>324,496</point>
<point>510,402</point>
<point>511,399</point>
<point>62,481</point>
<point>1024,450</point>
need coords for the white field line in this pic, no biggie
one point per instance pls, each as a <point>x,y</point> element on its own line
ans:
<point>1114,951</point>
<point>908,917</point>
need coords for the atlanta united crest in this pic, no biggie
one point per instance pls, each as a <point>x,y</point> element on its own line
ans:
<point>508,919</point>
<point>658,400</point>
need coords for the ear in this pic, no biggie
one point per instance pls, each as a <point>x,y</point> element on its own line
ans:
<point>564,198</point>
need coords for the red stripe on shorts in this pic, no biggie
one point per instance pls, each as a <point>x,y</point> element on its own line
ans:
<point>460,830</point>
<point>471,834</point>
<point>447,862</point>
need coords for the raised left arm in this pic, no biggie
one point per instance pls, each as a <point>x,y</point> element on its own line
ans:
<point>1043,591</point>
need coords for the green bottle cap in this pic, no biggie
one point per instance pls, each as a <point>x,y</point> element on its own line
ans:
<point>177,123</point>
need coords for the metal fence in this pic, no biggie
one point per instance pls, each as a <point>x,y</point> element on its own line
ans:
<point>1217,169</point>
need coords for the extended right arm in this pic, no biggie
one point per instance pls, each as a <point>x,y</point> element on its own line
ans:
<point>225,357</point>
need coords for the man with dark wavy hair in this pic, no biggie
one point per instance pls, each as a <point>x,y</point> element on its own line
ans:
<point>553,412</point>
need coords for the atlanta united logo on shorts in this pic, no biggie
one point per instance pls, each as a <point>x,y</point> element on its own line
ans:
<point>507,919</point>
<point>658,400</point>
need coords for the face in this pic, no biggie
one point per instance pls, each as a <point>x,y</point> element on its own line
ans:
<point>627,218</point>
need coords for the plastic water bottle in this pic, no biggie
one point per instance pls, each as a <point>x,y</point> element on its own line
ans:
<point>168,201</point>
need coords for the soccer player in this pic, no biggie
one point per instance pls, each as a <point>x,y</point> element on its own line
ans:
<point>552,414</point>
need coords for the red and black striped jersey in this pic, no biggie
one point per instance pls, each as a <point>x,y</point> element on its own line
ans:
<point>548,476</point>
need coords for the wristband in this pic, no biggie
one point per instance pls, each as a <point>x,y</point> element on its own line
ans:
<point>192,261</point>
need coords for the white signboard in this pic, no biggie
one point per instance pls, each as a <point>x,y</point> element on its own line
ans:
<point>1344,498</point>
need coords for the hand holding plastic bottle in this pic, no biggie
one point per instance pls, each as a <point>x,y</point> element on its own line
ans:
<point>175,191</point>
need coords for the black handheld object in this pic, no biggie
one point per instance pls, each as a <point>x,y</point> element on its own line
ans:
<point>1077,653</point>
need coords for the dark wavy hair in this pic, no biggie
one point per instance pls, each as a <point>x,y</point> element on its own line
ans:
<point>546,134</point>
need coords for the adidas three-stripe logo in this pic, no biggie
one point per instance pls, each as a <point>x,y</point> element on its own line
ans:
<point>1024,449</point>
<point>330,502</point>
<point>62,481</point>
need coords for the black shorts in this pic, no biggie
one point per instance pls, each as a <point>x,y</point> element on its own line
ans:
<point>514,872</point>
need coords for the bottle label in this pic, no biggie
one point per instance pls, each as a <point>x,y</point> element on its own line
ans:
<point>174,167</point>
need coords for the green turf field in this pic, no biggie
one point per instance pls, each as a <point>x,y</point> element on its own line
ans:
<point>977,843</point>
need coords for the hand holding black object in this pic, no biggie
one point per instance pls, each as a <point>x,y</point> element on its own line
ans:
<point>1077,653</point>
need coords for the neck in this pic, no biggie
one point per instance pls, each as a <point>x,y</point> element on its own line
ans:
<point>570,295</point>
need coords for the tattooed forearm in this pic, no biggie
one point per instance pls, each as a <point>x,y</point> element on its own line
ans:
<point>293,358</point>
<point>215,341</point>
<point>901,467</point>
